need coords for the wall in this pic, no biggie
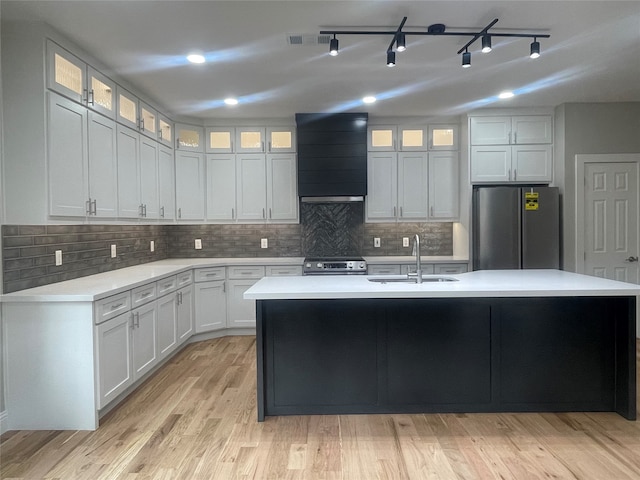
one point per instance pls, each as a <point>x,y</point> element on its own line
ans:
<point>2,407</point>
<point>589,128</point>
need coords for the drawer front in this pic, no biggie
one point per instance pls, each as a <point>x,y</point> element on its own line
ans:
<point>284,271</point>
<point>185,278</point>
<point>451,268</point>
<point>166,285</point>
<point>143,294</point>
<point>210,274</point>
<point>383,269</point>
<point>240,273</point>
<point>111,307</point>
<point>426,269</point>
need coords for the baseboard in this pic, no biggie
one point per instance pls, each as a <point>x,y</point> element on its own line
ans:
<point>4,422</point>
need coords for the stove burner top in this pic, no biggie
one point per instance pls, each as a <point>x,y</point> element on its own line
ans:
<point>334,266</point>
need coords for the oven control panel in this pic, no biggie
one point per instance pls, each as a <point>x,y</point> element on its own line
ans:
<point>334,267</point>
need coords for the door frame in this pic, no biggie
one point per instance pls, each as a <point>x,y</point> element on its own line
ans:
<point>581,161</point>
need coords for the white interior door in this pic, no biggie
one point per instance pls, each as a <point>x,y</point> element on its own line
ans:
<point>611,212</point>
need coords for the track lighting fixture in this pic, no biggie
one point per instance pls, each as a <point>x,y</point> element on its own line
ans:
<point>391,58</point>
<point>486,44</point>
<point>333,46</point>
<point>398,39</point>
<point>466,59</point>
<point>535,48</point>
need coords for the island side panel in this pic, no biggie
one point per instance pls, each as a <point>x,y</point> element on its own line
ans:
<point>260,366</point>
<point>626,387</point>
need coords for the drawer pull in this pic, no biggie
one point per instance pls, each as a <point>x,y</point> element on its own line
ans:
<point>210,274</point>
<point>146,294</point>
<point>168,285</point>
<point>118,305</point>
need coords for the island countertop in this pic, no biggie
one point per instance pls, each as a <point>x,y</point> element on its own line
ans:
<point>482,283</point>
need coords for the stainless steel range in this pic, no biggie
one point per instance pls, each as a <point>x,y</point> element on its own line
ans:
<point>334,266</point>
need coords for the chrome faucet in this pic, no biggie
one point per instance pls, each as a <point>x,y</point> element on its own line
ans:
<point>416,252</point>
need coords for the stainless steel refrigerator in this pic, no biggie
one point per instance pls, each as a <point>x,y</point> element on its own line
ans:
<point>516,227</point>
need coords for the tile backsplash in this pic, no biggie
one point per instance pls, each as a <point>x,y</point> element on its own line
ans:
<point>28,251</point>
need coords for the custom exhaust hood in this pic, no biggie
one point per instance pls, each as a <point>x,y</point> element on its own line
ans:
<point>332,156</point>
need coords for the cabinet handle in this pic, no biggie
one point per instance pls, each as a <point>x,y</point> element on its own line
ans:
<point>432,211</point>
<point>162,212</point>
<point>132,317</point>
<point>168,285</point>
<point>224,287</point>
<point>210,274</point>
<point>88,206</point>
<point>515,174</point>
<point>142,124</point>
<point>515,137</point>
<point>86,96</point>
<point>180,213</point>
<point>145,210</point>
<point>117,305</point>
<point>394,211</point>
<point>140,210</point>
<point>270,212</point>
<point>160,134</point>
<point>92,101</point>
<point>177,143</point>
<point>269,146</point>
<point>146,294</point>
<point>263,216</point>
<point>95,207</point>
<point>137,319</point>
<point>262,145</point>
<point>509,174</point>
<point>509,137</point>
<point>233,215</point>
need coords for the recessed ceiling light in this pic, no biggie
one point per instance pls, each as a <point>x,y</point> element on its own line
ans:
<point>195,58</point>
<point>231,101</point>
<point>369,99</point>
<point>505,95</point>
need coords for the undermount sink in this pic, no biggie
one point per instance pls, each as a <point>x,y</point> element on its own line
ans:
<point>412,280</point>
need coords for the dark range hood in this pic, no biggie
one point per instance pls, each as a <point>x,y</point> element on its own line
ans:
<point>332,156</point>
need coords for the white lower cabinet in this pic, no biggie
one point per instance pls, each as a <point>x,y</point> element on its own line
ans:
<point>211,306</point>
<point>167,324</point>
<point>427,268</point>
<point>144,345</point>
<point>184,327</point>
<point>113,344</point>
<point>241,313</point>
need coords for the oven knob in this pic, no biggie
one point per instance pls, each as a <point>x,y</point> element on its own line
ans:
<point>319,265</point>
<point>308,265</point>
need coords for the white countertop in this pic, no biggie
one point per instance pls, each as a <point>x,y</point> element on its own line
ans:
<point>487,283</point>
<point>101,285</point>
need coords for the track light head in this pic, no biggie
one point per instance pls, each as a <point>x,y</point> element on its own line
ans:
<point>486,43</point>
<point>391,58</point>
<point>535,49</point>
<point>333,46</point>
<point>466,60</point>
<point>401,45</point>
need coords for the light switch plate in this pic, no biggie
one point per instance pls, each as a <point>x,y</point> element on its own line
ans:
<point>58,258</point>
<point>264,243</point>
<point>198,243</point>
<point>376,242</point>
<point>152,246</point>
<point>405,241</point>
<point>113,251</point>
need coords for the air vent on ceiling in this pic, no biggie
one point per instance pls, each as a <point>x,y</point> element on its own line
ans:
<point>308,39</point>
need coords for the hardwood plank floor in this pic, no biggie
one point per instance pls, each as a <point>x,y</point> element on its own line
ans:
<point>196,419</point>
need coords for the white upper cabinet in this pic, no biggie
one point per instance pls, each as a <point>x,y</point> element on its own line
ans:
<point>221,187</point>
<point>412,138</point>
<point>166,184</point>
<point>282,196</point>
<point>103,167</point>
<point>382,186</point>
<point>251,187</point>
<point>134,113</point>
<point>412,186</point>
<point>382,138</point>
<point>281,140</point>
<point>129,203</point>
<point>250,139</point>
<point>511,130</point>
<point>443,137</point>
<point>148,159</point>
<point>189,138</point>
<point>165,131</point>
<point>443,186</point>
<point>73,78</point>
<point>220,139</point>
<point>190,197</point>
<point>148,121</point>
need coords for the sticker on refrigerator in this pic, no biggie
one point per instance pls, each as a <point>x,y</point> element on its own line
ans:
<point>531,201</point>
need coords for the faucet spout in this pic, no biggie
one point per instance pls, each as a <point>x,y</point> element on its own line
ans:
<point>416,252</point>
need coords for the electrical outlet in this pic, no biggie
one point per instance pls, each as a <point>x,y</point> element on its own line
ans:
<point>405,241</point>
<point>198,244</point>
<point>58,258</point>
<point>264,243</point>
<point>376,242</point>
<point>152,246</point>
<point>113,251</point>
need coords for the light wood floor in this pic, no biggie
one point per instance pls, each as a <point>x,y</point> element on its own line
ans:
<point>196,419</point>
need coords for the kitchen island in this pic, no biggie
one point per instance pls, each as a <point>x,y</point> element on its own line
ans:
<point>485,341</point>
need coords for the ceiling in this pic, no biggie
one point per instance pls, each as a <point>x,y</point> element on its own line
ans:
<point>593,54</point>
